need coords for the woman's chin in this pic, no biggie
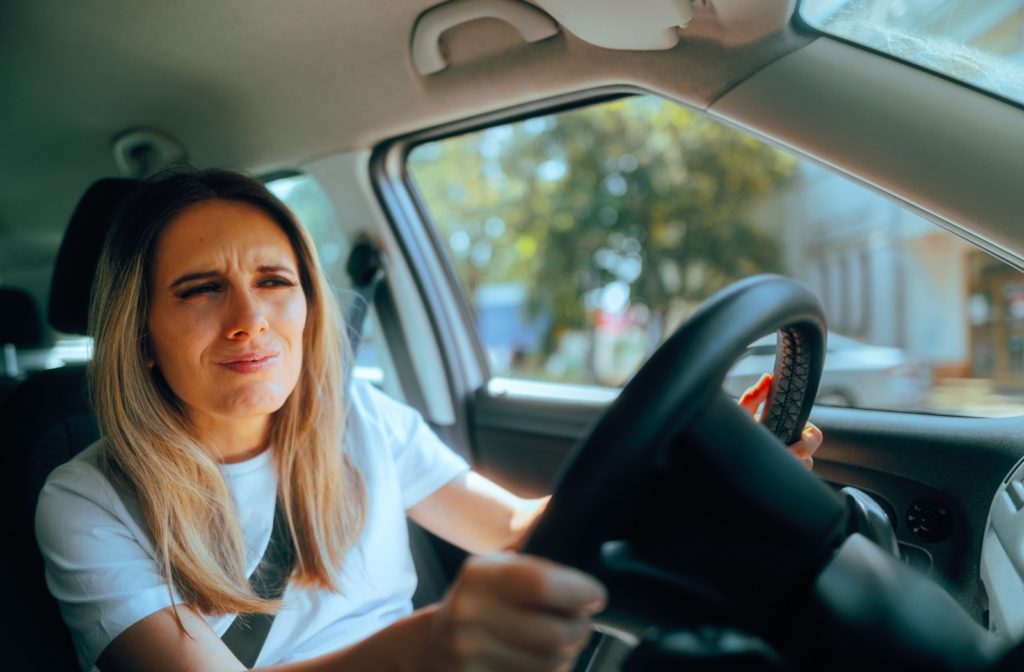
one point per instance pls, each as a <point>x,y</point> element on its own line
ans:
<point>254,401</point>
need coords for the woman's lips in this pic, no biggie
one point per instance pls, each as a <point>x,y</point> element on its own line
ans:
<point>253,364</point>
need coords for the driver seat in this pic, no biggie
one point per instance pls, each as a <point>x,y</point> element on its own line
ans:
<point>47,421</point>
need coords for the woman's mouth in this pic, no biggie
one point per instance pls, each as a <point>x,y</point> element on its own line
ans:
<point>251,363</point>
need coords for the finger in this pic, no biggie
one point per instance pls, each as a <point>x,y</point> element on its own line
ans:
<point>536,582</point>
<point>494,654</point>
<point>800,450</point>
<point>810,441</point>
<point>756,394</point>
<point>501,657</point>
<point>813,437</point>
<point>541,632</point>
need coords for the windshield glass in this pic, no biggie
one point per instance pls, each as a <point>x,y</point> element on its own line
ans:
<point>980,42</point>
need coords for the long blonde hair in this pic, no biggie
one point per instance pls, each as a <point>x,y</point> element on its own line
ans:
<point>149,446</point>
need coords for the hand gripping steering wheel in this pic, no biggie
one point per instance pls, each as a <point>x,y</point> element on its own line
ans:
<point>686,508</point>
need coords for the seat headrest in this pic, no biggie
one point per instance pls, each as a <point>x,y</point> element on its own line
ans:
<point>80,253</point>
<point>20,326</point>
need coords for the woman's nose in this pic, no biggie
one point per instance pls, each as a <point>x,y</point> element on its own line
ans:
<point>246,316</point>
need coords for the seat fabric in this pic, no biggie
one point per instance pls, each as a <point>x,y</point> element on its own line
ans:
<point>46,421</point>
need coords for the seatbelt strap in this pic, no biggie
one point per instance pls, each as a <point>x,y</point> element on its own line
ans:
<point>366,269</point>
<point>248,632</point>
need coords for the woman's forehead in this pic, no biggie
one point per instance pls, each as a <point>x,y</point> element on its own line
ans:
<point>218,232</point>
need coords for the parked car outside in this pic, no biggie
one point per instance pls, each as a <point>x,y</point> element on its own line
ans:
<point>856,374</point>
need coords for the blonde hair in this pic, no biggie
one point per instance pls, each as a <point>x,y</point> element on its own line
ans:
<point>150,448</point>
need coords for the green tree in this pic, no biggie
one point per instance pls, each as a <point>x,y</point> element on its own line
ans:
<point>639,196</point>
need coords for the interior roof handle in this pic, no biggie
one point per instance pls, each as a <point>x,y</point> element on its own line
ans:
<point>532,23</point>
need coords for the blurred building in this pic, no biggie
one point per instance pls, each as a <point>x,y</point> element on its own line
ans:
<point>886,275</point>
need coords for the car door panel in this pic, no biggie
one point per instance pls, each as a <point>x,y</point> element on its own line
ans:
<point>903,460</point>
<point>523,442</point>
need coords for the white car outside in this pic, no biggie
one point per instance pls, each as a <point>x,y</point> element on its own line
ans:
<point>856,374</point>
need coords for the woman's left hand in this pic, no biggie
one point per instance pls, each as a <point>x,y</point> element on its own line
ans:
<point>810,438</point>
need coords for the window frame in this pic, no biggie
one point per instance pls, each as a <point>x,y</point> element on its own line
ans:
<point>440,289</point>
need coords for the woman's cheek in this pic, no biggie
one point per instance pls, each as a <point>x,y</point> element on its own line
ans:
<point>295,317</point>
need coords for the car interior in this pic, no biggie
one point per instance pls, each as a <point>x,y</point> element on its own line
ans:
<point>903,548</point>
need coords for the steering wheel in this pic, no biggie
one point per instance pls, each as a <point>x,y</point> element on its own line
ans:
<point>685,507</point>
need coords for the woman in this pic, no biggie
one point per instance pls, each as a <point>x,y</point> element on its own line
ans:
<point>217,385</point>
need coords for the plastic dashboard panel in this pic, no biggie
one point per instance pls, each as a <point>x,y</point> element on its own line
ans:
<point>936,552</point>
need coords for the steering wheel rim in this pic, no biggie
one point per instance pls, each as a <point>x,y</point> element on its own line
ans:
<point>676,398</point>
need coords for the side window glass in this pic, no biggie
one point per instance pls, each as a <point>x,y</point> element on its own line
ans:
<point>305,197</point>
<point>582,239</point>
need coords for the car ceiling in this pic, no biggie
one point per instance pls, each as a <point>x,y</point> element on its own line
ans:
<point>266,85</point>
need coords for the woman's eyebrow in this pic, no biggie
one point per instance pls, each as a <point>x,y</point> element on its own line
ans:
<point>206,275</point>
<point>189,277</point>
<point>276,269</point>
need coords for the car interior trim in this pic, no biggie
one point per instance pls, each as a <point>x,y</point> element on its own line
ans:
<point>961,166</point>
<point>359,215</point>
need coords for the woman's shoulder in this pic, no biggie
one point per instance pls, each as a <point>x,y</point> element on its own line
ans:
<point>80,478</point>
<point>79,499</point>
<point>85,466</point>
<point>370,406</point>
<point>364,396</point>
<point>374,420</point>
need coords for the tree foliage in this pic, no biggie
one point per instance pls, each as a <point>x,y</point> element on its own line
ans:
<point>638,202</point>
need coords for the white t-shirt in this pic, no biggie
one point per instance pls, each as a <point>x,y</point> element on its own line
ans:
<point>101,567</point>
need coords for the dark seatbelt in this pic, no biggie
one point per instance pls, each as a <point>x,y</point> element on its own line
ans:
<point>248,632</point>
<point>366,269</point>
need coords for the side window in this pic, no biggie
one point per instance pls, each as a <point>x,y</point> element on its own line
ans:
<point>306,198</point>
<point>582,239</point>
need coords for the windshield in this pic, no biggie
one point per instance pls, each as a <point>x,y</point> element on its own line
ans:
<point>980,42</point>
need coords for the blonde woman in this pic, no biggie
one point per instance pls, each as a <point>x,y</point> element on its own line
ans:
<point>217,383</point>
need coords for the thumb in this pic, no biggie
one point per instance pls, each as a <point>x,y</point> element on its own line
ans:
<point>756,394</point>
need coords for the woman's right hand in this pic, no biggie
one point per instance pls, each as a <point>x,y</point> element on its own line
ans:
<point>508,611</point>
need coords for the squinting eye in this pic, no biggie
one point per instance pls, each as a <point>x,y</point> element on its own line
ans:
<point>276,281</point>
<point>199,289</point>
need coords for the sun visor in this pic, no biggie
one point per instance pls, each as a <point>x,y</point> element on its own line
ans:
<point>613,24</point>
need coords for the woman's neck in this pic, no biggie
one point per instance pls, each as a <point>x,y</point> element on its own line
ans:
<point>235,439</point>
<point>243,455</point>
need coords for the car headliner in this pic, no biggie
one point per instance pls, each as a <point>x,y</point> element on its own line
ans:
<point>271,85</point>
